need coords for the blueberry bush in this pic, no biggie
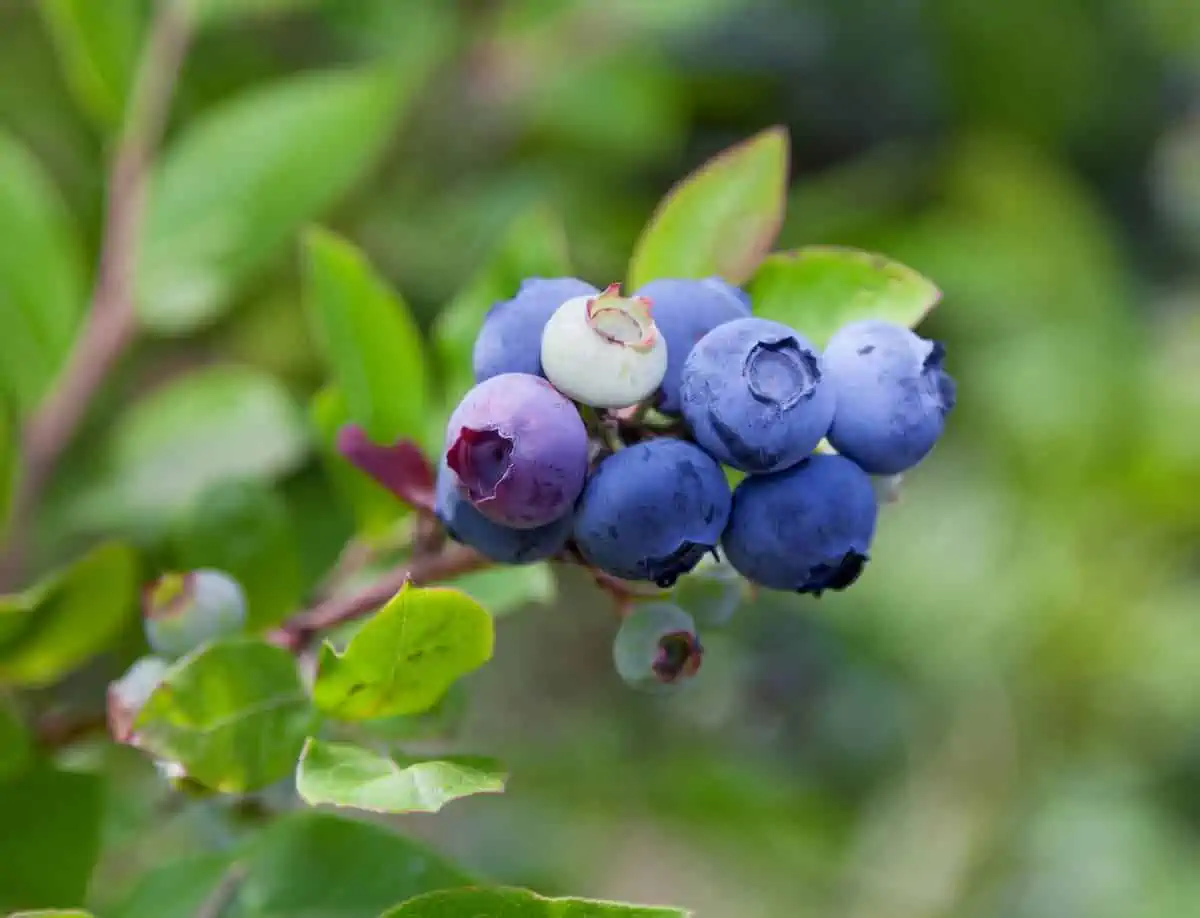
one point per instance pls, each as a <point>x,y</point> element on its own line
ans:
<point>501,459</point>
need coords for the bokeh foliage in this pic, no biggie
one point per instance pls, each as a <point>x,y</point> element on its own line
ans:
<point>999,720</point>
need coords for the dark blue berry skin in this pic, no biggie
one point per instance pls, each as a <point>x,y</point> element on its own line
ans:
<point>806,529</point>
<point>466,525</point>
<point>685,311</point>
<point>651,511</point>
<point>755,396</point>
<point>510,339</point>
<point>893,395</point>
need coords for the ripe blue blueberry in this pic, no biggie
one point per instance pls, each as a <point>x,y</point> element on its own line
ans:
<point>183,611</point>
<point>510,339</point>
<point>519,450</point>
<point>685,311</point>
<point>652,510</point>
<point>604,350</point>
<point>501,544</point>
<point>755,396</point>
<point>807,528</point>
<point>656,648</point>
<point>892,395</point>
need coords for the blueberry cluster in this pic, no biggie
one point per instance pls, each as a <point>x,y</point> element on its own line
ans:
<point>552,451</point>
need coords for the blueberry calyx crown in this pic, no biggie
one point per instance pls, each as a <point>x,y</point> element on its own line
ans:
<point>664,571</point>
<point>781,372</point>
<point>679,656</point>
<point>836,576</point>
<point>169,595</point>
<point>481,458</point>
<point>622,320</point>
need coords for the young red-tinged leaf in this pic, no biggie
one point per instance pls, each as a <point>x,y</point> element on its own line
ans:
<point>722,219</point>
<point>401,467</point>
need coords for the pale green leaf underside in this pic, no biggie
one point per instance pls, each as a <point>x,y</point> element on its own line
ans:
<point>343,774</point>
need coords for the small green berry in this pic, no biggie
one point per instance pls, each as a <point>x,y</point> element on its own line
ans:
<point>183,611</point>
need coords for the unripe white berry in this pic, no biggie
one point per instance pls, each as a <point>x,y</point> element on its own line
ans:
<point>604,350</point>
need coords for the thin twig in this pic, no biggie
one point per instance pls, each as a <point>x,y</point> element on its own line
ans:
<point>111,321</point>
<point>452,561</point>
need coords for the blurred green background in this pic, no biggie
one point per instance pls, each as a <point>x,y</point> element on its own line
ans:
<point>1002,719</point>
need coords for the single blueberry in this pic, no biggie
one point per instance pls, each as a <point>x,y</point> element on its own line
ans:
<point>510,339</point>
<point>807,528</point>
<point>502,544</point>
<point>605,350</point>
<point>754,395</point>
<point>183,611</point>
<point>656,648</point>
<point>685,311</point>
<point>652,510</point>
<point>519,450</point>
<point>892,395</point>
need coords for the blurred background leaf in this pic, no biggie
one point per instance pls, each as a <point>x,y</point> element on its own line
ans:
<point>244,528</point>
<point>216,424</point>
<point>41,277</point>
<point>374,349</point>
<point>322,131</point>
<point>72,615</point>
<point>48,862</point>
<point>97,46</point>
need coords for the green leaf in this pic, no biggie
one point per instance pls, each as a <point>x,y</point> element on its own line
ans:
<point>286,154</point>
<point>722,219</point>
<point>818,289</point>
<point>509,588</point>
<point>375,508</point>
<point>535,245</point>
<point>179,889</point>
<point>48,861</point>
<point>219,423</point>
<point>404,658</point>
<point>369,338</point>
<point>244,528</point>
<point>97,46</point>
<point>224,12</point>
<point>343,774</point>
<point>41,277</point>
<point>60,623</point>
<point>16,748</point>
<point>316,864</point>
<point>233,713</point>
<point>519,903</point>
